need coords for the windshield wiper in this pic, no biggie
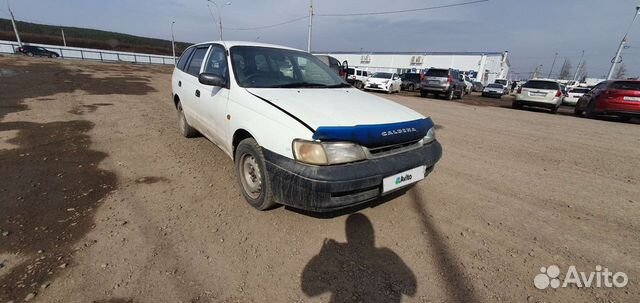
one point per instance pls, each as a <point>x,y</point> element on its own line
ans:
<point>308,85</point>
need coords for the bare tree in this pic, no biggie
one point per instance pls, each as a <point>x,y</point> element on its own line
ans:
<point>565,71</point>
<point>621,72</point>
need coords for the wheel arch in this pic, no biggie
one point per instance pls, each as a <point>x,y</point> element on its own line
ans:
<point>239,135</point>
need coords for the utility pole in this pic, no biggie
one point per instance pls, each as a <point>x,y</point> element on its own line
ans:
<point>64,40</point>
<point>219,8</point>
<point>173,44</point>
<point>535,72</point>
<point>575,77</point>
<point>553,65</point>
<point>13,21</point>
<point>618,59</point>
<point>310,25</point>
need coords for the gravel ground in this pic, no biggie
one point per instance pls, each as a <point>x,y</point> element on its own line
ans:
<point>101,200</point>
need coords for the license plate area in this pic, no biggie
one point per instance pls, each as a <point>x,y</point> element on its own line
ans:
<point>537,94</point>
<point>403,179</point>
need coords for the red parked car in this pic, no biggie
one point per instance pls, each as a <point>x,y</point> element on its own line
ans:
<point>618,98</point>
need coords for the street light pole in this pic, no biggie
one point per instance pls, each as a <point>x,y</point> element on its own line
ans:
<point>13,22</point>
<point>553,65</point>
<point>219,9</point>
<point>64,40</point>
<point>173,44</point>
<point>575,77</point>
<point>617,59</point>
<point>310,25</point>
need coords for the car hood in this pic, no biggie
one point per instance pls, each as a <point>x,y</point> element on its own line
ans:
<point>336,107</point>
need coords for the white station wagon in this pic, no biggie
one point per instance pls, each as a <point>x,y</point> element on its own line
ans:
<point>297,133</point>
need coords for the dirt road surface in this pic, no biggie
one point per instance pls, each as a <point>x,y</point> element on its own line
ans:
<point>101,200</point>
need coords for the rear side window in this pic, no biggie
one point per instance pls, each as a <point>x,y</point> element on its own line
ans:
<point>541,85</point>
<point>626,85</point>
<point>350,71</point>
<point>441,73</point>
<point>185,58</point>
<point>359,73</point>
<point>196,61</point>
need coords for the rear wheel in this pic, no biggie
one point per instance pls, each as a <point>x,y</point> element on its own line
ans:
<point>590,112</point>
<point>462,92</point>
<point>423,94</point>
<point>554,110</point>
<point>251,173</point>
<point>577,111</point>
<point>624,119</point>
<point>185,129</point>
<point>450,95</point>
<point>516,105</point>
<point>412,88</point>
<point>29,54</point>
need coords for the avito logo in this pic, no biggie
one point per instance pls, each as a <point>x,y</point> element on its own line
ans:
<point>404,178</point>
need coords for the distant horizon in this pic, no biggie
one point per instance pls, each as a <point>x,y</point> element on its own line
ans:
<point>532,38</point>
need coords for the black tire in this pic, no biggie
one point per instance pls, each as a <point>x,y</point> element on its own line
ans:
<point>516,105</point>
<point>577,111</point>
<point>412,88</point>
<point>625,118</point>
<point>29,54</point>
<point>185,129</point>
<point>256,170</point>
<point>554,110</point>
<point>423,94</point>
<point>450,95</point>
<point>461,95</point>
<point>390,90</point>
<point>590,111</point>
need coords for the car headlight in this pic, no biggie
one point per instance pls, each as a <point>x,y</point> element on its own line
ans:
<point>431,135</point>
<point>327,153</point>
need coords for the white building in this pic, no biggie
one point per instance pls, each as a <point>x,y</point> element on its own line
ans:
<point>484,66</point>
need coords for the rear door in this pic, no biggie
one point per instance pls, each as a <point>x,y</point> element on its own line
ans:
<point>192,89</point>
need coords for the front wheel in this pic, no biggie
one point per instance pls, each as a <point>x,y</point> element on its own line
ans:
<point>591,110</point>
<point>251,172</point>
<point>29,54</point>
<point>390,90</point>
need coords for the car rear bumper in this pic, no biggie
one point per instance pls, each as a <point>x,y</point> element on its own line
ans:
<point>328,188</point>
<point>440,89</point>
<point>570,101</point>
<point>611,107</point>
<point>523,100</point>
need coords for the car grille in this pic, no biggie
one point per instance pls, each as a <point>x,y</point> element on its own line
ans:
<point>382,151</point>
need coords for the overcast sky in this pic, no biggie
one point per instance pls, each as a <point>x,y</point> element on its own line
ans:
<point>532,31</point>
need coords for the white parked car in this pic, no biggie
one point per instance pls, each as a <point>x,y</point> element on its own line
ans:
<point>494,90</point>
<point>539,93</point>
<point>357,77</point>
<point>382,81</point>
<point>468,84</point>
<point>297,133</point>
<point>574,94</point>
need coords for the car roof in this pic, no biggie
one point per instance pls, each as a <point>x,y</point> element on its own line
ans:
<point>230,44</point>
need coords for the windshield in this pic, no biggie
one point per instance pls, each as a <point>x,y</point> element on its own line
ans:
<point>579,90</point>
<point>541,85</point>
<point>626,85</point>
<point>495,85</point>
<point>264,67</point>
<point>503,82</point>
<point>442,73</point>
<point>381,75</point>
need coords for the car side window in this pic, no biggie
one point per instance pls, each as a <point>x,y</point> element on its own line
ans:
<point>196,61</point>
<point>217,62</point>
<point>185,58</point>
<point>366,74</point>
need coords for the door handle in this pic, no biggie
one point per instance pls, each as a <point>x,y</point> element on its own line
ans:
<point>179,83</point>
<point>198,93</point>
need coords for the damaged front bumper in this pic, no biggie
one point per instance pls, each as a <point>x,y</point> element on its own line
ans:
<point>328,188</point>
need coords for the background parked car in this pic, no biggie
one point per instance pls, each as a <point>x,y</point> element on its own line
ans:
<point>506,83</point>
<point>410,81</point>
<point>619,98</point>
<point>574,94</point>
<point>442,82</point>
<point>357,77</point>
<point>381,81</point>
<point>468,84</point>
<point>539,93</point>
<point>477,86</point>
<point>31,51</point>
<point>334,64</point>
<point>493,90</point>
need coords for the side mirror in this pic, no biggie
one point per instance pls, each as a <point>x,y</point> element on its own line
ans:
<point>212,80</point>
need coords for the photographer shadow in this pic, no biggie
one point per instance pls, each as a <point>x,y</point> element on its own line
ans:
<point>358,271</point>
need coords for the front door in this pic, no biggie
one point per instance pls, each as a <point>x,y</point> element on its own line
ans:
<point>213,103</point>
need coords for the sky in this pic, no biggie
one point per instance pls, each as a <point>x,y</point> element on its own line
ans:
<point>532,31</point>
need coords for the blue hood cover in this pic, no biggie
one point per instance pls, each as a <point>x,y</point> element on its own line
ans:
<point>376,135</point>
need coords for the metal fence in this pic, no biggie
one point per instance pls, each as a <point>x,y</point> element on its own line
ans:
<point>10,47</point>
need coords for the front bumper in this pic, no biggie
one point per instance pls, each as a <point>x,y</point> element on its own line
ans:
<point>328,188</point>
<point>492,94</point>
<point>379,87</point>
